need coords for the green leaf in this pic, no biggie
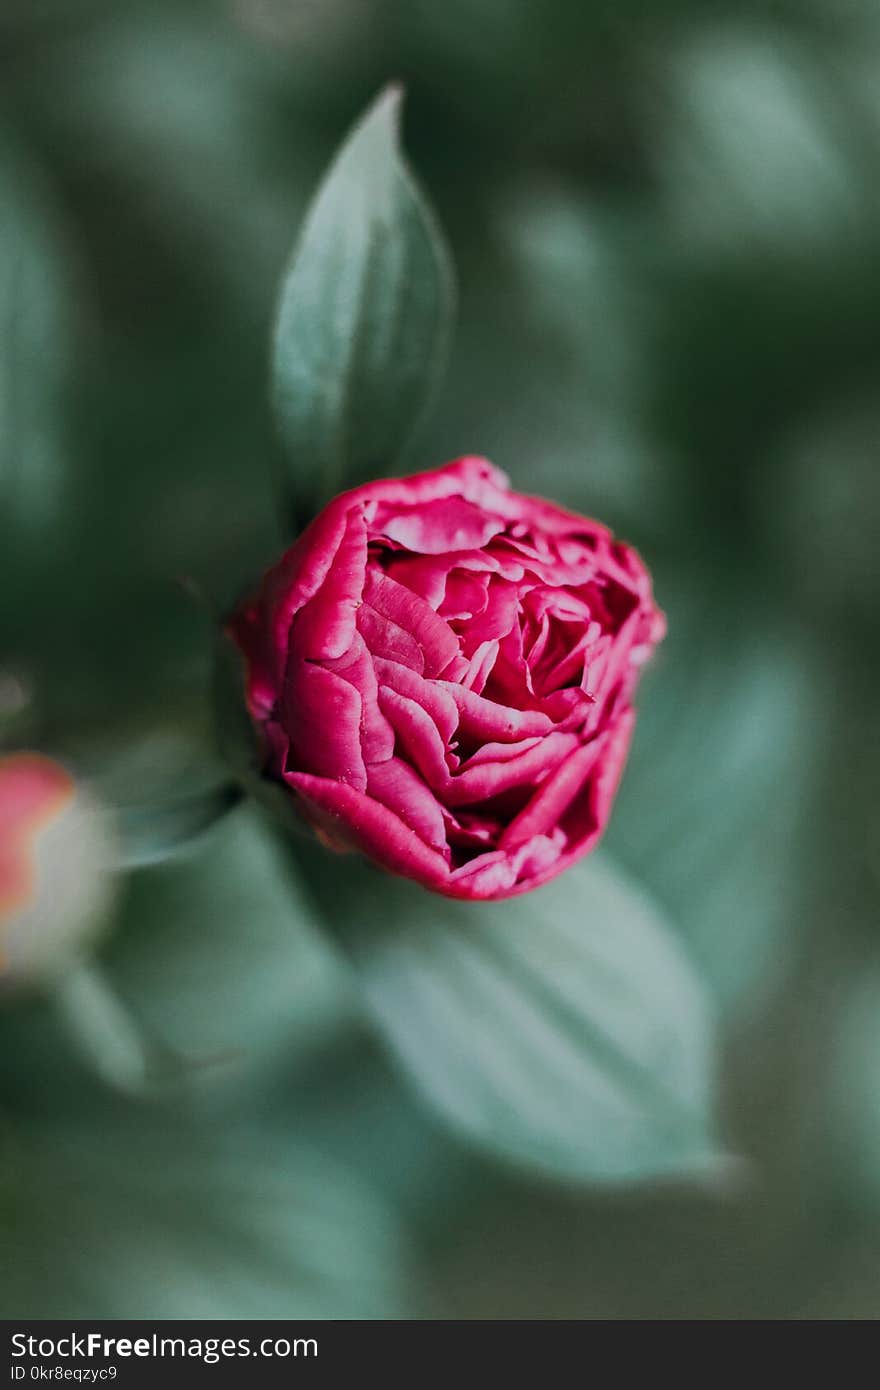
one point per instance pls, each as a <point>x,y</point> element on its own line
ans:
<point>100,1029</point>
<point>154,1219</point>
<point>563,1030</point>
<point>152,832</point>
<point>217,959</point>
<point>364,317</point>
<point>712,808</point>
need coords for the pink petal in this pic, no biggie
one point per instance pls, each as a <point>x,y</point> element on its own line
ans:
<point>388,639</point>
<point>466,595</point>
<point>553,797</point>
<point>479,667</point>
<point>322,714</point>
<point>418,736</point>
<point>511,678</point>
<point>587,816</point>
<point>33,793</point>
<point>612,670</point>
<point>471,477</point>
<point>495,875</point>
<point>304,568</point>
<point>490,875</point>
<point>433,528</point>
<point>500,752</point>
<point>568,708</point>
<point>394,601</point>
<point>433,696</point>
<point>425,575</point>
<point>325,626</point>
<point>501,611</point>
<point>482,719</point>
<point>609,770</point>
<point>568,668</point>
<point>356,667</point>
<point>490,779</point>
<point>400,788</point>
<point>469,830</point>
<point>347,814</point>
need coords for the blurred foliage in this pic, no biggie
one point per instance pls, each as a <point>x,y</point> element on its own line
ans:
<point>664,218</point>
<point>562,1030</point>
<point>159,1218</point>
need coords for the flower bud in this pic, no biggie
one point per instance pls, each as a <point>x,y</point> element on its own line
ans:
<point>55,868</point>
<point>441,673</point>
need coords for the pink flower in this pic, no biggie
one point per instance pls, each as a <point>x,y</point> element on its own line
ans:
<point>442,671</point>
<point>33,792</point>
<point>56,854</point>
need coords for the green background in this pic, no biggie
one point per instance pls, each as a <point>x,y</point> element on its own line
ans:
<point>665,222</point>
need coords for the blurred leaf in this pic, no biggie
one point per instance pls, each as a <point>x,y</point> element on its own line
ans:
<point>364,317</point>
<point>761,150</point>
<point>216,956</point>
<point>145,1220</point>
<point>712,806</point>
<point>563,1030</point>
<point>150,833</point>
<point>101,1030</point>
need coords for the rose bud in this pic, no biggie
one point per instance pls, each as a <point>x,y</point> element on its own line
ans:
<point>55,858</point>
<point>441,672</point>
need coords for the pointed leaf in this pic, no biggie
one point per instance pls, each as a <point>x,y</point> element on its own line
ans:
<point>364,317</point>
<point>563,1029</point>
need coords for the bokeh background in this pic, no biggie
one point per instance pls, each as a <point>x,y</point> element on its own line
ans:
<point>665,217</point>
